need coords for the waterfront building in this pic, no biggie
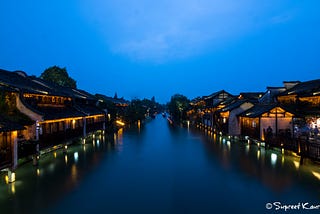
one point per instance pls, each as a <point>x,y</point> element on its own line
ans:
<point>256,120</point>
<point>304,98</point>
<point>56,113</point>
<point>9,137</point>
<point>270,96</point>
<point>214,102</point>
<point>229,116</point>
<point>196,110</point>
<point>115,107</point>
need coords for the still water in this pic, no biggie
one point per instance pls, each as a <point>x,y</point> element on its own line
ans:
<point>160,169</point>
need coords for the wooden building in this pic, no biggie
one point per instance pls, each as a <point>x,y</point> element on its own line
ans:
<point>214,102</point>
<point>227,117</point>
<point>304,98</point>
<point>10,133</point>
<point>256,120</point>
<point>57,112</point>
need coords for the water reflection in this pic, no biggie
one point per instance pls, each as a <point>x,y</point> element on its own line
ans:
<point>175,170</point>
<point>13,188</point>
<point>76,156</point>
<point>278,173</point>
<point>273,159</point>
<point>66,159</point>
<point>74,174</point>
<point>316,174</point>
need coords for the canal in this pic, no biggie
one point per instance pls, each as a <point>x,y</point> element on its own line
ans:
<point>156,168</point>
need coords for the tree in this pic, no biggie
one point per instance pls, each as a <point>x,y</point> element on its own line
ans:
<point>135,111</point>
<point>178,107</point>
<point>59,76</point>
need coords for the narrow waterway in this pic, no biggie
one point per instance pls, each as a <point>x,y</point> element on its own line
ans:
<point>160,169</point>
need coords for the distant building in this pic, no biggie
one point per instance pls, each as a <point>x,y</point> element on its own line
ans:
<point>214,102</point>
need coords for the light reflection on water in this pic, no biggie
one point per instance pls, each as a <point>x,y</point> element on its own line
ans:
<point>160,169</point>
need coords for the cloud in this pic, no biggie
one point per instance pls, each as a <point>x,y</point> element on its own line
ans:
<point>162,46</point>
<point>166,30</point>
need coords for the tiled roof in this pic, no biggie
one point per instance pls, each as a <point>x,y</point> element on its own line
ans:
<point>52,113</point>
<point>257,110</point>
<point>8,125</point>
<point>269,96</point>
<point>215,94</point>
<point>88,109</point>
<point>23,83</point>
<point>64,91</point>
<point>84,102</point>
<point>251,95</point>
<point>233,105</point>
<point>307,88</point>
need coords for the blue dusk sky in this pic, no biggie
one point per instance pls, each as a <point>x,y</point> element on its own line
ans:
<point>144,48</point>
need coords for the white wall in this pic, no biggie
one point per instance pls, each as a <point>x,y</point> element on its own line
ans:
<point>234,127</point>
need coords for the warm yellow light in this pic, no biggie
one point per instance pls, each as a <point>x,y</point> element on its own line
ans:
<point>6,178</point>
<point>74,173</point>
<point>296,164</point>
<point>66,159</point>
<point>55,155</point>
<point>13,188</point>
<point>38,172</point>
<point>120,122</point>
<point>95,116</point>
<point>61,120</point>
<point>224,120</point>
<point>316,174</point>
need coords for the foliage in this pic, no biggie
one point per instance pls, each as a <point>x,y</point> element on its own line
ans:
<point>140,109</point>
<point>59,76</point>
<point>178,107</point>
<point>135,111</point>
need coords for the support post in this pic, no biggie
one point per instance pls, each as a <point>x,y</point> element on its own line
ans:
<point>37,130</point>
<point>84,127</point>
<point>14,154</point>
<point>14,164</point>
<point>11,176</point>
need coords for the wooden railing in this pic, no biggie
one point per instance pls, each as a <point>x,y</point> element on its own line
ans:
<point>303,146</point>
